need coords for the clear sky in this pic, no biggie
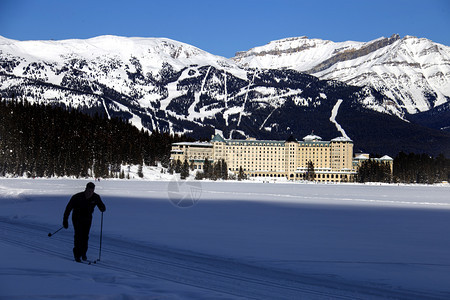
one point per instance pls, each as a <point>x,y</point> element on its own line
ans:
<point>225,27</point>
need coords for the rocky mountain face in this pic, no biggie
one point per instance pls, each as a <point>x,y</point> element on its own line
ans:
<point>413,72</point>
<point>164,85</point>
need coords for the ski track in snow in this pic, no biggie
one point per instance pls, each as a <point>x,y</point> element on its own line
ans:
<point>334,112</point>
<point>207,273</point>
<point>379,200</point>
<point>192,255</point>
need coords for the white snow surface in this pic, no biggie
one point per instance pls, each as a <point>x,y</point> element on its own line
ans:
<point>300,53</point>
<point>334,112</point>
<point>413,72</point>
<point>407,71</point>
<point>239,240</point>
<point>155,50</point>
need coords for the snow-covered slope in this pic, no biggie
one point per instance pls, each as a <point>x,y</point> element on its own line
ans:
<point>242,240</point>
<point>153,51</point>
<point>123,64</point>
<point>299,53</point>
<point>414,72</point>
<point>141,76</point>
<point>165,85</point>
<point>107,73</point>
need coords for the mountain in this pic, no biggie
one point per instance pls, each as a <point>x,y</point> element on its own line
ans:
<point>162,84</point>
<point>413,72</point>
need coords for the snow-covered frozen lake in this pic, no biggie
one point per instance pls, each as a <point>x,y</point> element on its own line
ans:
<point>228,240</point>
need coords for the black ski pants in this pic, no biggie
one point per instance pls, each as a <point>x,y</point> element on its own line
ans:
<point>81,238</point>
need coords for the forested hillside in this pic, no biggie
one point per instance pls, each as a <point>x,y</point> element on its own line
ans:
<point>45,141</point>
<point>50,141</point>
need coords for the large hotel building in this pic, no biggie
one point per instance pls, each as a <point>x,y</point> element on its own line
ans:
<point>333,160</point>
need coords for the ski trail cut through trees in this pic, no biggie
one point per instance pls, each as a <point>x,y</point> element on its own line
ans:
<point>334,112</point>
<point>246,97</point>
<point>197,95</point>
<point>225,89</point>
<point>106,109</point>
<point>262,125</point>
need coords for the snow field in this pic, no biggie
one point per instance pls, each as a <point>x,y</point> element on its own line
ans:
<point>239,240</point>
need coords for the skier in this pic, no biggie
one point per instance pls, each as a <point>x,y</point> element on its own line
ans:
<point>83,205</point>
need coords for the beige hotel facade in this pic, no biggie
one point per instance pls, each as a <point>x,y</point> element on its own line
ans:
<point>271,159</point>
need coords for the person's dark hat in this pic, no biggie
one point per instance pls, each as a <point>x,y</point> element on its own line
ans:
<point>90,185</point>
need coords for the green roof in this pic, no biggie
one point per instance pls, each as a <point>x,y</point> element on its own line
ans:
<point>217,138</point>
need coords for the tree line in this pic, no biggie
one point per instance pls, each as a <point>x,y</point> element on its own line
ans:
<point>421,168</point>
<point>407,168</point>
<point>47,141</point>
<point>374,171</point>
<point>211,170</point>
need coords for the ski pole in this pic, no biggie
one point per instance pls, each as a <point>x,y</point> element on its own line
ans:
<point>50,234</point>
<point>101,236</point>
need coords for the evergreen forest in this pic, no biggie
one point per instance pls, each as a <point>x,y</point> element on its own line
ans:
<point>407,168</point>
<point>47,141</point>
<point>421,168</point>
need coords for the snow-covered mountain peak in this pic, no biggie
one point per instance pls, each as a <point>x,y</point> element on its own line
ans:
<point>285,44</point>
<point>162,84</point>
<point>414,72</point>
<point>300,54</point>
<point>154,51</point>
<point>288,43</point>
<point>5,41</point>
<point>142,46</point>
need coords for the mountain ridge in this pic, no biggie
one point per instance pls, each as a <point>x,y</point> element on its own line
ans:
<point>354,53</point>
<point>413,72</point>
<point>165,85</point>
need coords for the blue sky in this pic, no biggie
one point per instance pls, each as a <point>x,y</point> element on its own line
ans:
<point>225,27</point>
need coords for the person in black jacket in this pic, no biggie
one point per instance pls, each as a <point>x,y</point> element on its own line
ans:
<point>83,205</point>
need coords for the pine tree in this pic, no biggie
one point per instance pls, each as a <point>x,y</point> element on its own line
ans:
<point>171,168</point>
<point>241,175</point>
<point>184,170</point>
<point>178,166</point>
<point>140,171</point>
<point>207,168</point>
<point>310,173</point>
<point>217,170</point>
<point>224,172</point>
